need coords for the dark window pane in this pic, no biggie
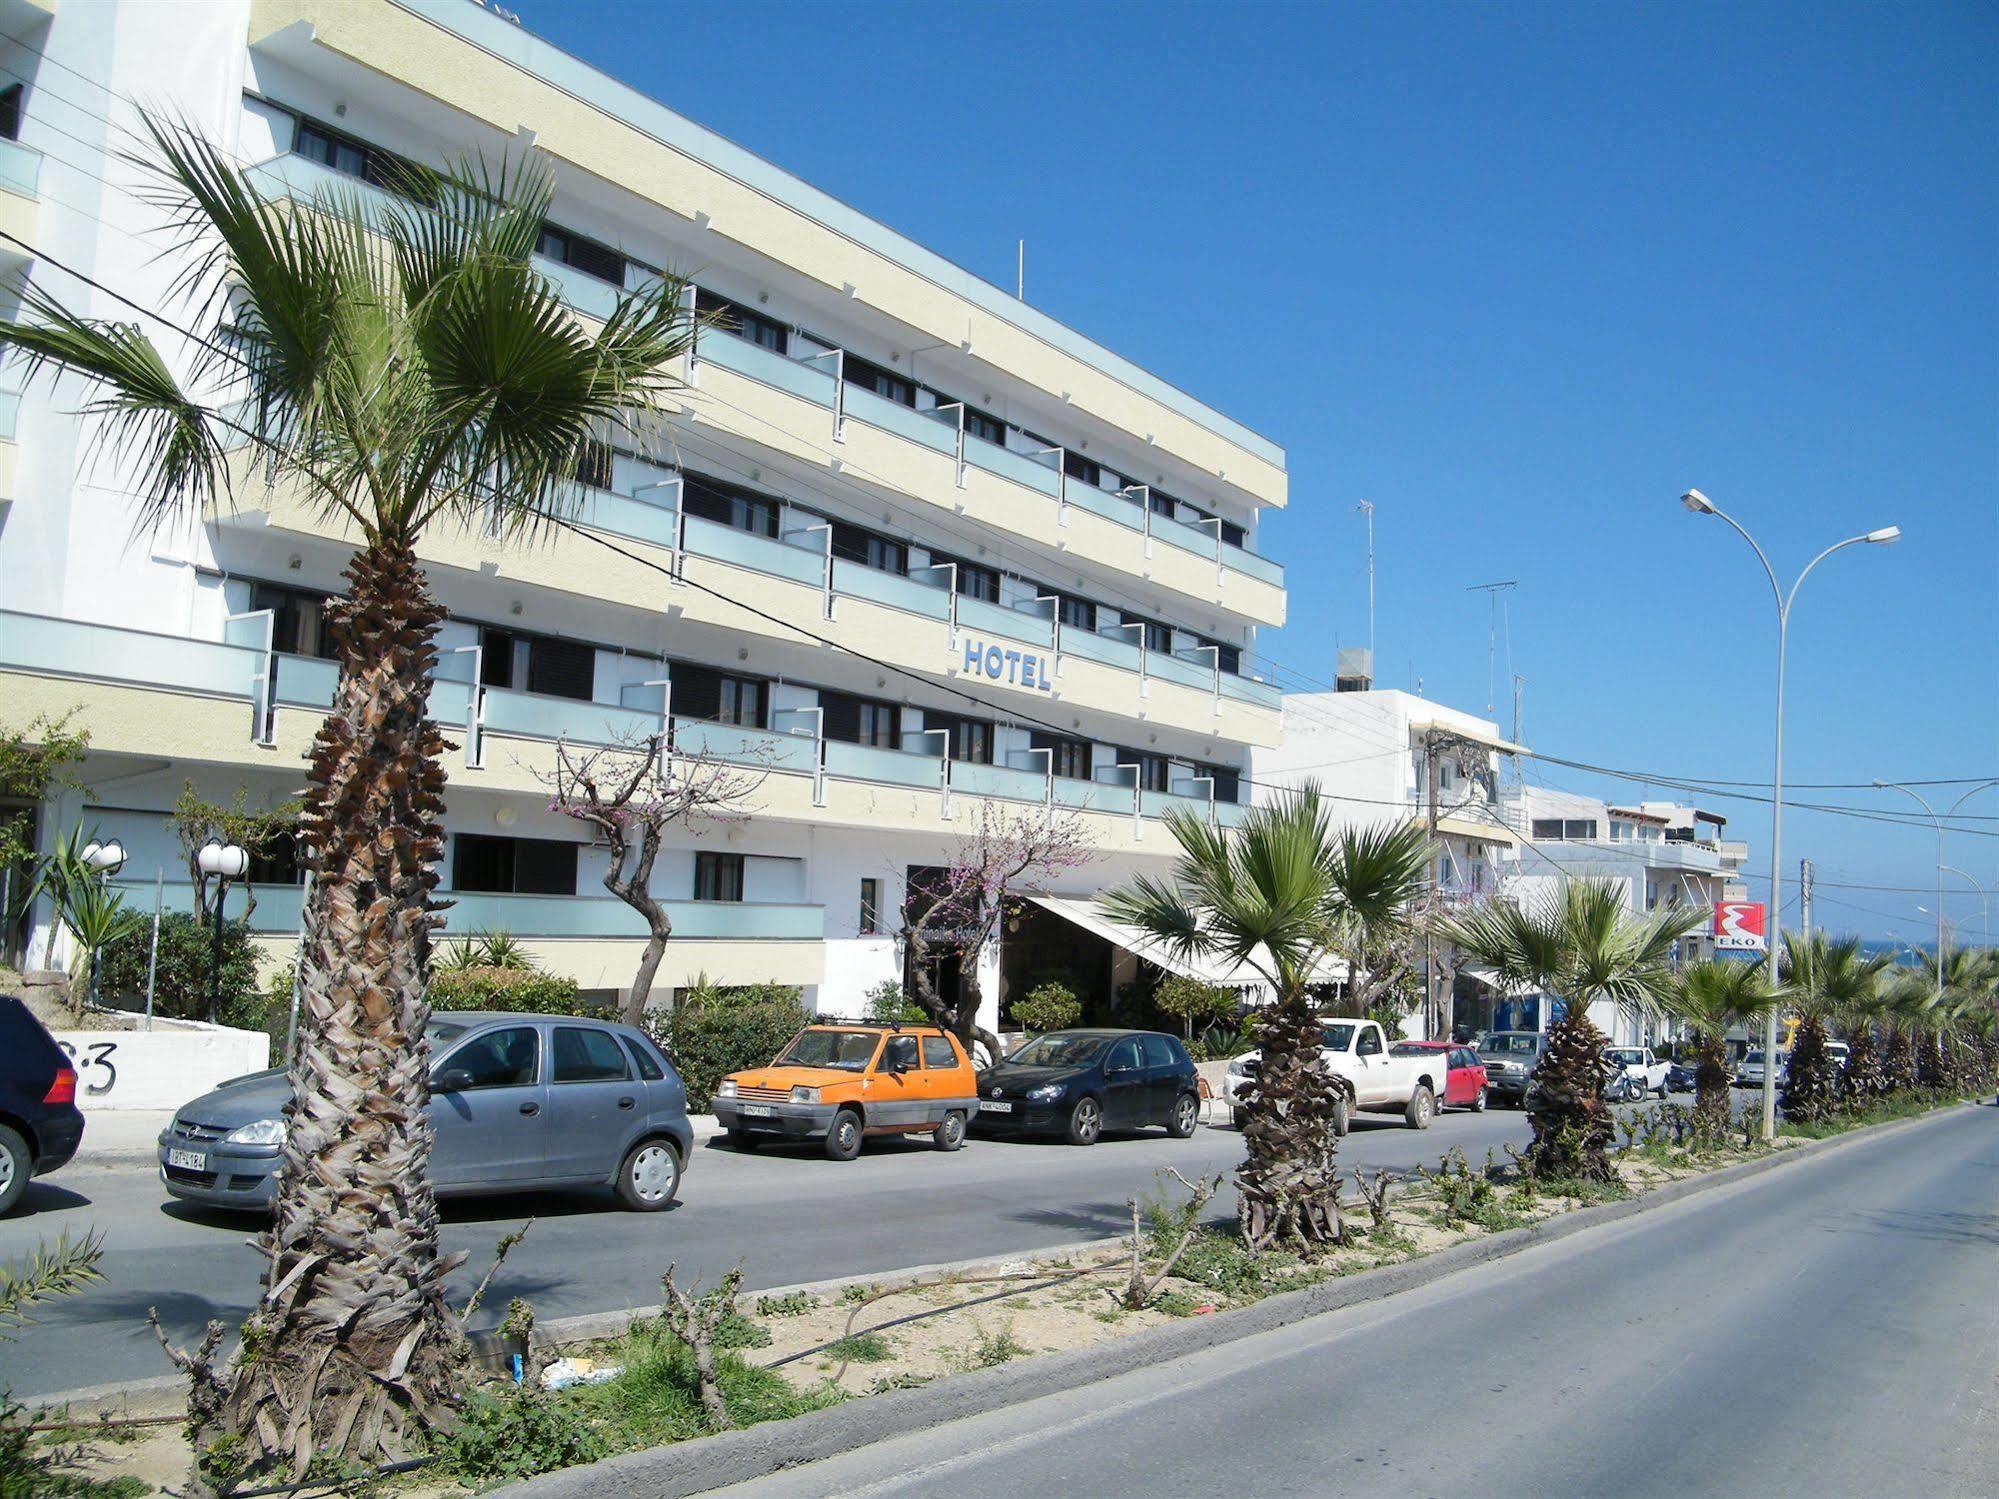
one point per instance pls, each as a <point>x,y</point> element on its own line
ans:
<point>543,866</point>
<point>10,111</point>
<point>643,1059</point>
<point>1158,1051</point>
<point>277,862</point>
<point>728,506</point>
<point>991,428</point>
<point>561,668</point>
<point>1229,658</point>
<point>1158,638</point>
<point>718,876</point>
<point>496,657</point>
<point>593,464</point>
<point>937,1052</point>
<point>870,376</point>
<point>871,900</point>
<point>742,702</point>
<point>482,863</point>
<point>855,544</point>
<point>1548,829</point>
<point>1233,534</point>
<point>1081,469</point>
<point>1070,758</point>
<point>588,1056</point>
<point>498,1059</point>
<point>1078,614</point>
<point>1160,503</point>
<point>976,582</point>
<point>1228,782</point>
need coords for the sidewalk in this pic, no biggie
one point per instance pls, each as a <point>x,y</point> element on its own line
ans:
<point>130,1137</point>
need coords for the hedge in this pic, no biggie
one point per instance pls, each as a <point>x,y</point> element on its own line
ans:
<point>522,990</point>
<point>716,1032</point>
<point>180,982</point>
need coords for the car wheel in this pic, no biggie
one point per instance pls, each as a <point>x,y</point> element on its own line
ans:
<point>1086,1122</point>
<point>650,1176</point>
<point>843,1140</point>
<point>742,1139</point>
<point>1478,1102</point>
<point>951,1133</point>
<point>1422,1106</point>
<point>1342,1115</point>
<point>1185,1117</point>
<point>16,1166</point>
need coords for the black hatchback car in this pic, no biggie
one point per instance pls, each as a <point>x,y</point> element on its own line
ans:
<point>1081,1083</point>
<point>40,1126</point>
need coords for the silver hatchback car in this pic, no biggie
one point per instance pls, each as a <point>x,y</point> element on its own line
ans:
<point>519,1102</point>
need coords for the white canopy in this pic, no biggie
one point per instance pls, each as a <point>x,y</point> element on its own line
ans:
<point>1084,913</point>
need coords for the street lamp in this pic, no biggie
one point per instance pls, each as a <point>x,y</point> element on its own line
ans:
<point>103,860</point>
<point>1700,504</point>
<point>1937,822</point>
<point>222,862</point>
<point>1984,899</point>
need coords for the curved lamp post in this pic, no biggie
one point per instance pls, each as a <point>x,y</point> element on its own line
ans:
<point>1700,504</point>
<point>1937,822</point>
<point>221,862</point>
<point>1984,898</point>
<point>103,860</point>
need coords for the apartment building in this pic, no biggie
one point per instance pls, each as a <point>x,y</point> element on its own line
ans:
<point>939,550</point>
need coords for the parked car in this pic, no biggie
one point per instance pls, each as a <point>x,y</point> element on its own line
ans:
<point>840,1082</point>
<point>1638,1063</point>
<point>1370,1080</point>
<point>519,1103</point>
<point>1840,1052</point>
<point>1750,1073</point>
<point>1083,1082</point>
<point>1681,1077</point>
<point>40,1126</point>
<point>1510,1058</point>
<point>1464,1080</point>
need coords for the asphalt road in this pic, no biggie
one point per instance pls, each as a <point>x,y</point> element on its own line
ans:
<point>1827,1328</point>
<point>789,1214</point>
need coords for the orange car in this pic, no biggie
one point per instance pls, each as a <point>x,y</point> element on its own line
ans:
<point>841,1081</point>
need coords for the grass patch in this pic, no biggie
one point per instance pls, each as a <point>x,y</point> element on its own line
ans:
<point>862,1348</point>
<point>996,1348</point>
<point>656,1396</point>
<point>794,1305</point>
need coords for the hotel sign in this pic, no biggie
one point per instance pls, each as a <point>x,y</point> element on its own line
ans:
<point>1015,667</point>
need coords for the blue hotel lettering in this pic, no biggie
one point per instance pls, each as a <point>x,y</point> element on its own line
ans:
<point>1002,665</point>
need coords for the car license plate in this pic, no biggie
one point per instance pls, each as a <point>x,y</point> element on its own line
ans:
<point>992,1106</point>
<point>187,1160</point>
<point>757,1110</point>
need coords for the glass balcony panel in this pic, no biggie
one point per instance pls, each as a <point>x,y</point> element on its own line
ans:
<point>602,916</point>
<point>866,762</point>
<point>892,416</point>
<point>623,515</point>
<point>1035,473</point>
<point>759,747</point>
<point>20,168</point>
<point>307,681</point>
<point>1249,690</point>
<point>68,647</point>
<point>644,697</point>
<point>998,780</point>
<point>536,715</point>
<point>1110,650</point>
<point>764,554</point>
<point>1156,803</point>
<point>813,382</point>
<point>586,293</point>
<point>1031,628</point>
<point>1179,669</point>
<point>1092,796</point>
<point>10,412</point>
<point>918,594</point>
<point>1230,814</point>
<point>279,907</point>
<point>1248,563</point>
<point>1120,508</point>
<point>451,702</point>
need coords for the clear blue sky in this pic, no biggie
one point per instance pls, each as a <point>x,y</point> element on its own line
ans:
<point>1520,276</point>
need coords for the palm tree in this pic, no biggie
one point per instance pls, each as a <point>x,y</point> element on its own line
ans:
<point>1582,947</point>
<point>406,364</point>
<point>1712,997</point>
<point>1829,980</point>
<point>1281,893</point>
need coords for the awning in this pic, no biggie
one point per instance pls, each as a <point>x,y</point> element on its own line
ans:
<point>1479,830</point>
<point>1491,980</point>
<point>1474,734</point>
<point>1084,913</point>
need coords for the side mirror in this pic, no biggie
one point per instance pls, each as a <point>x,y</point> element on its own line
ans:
<point>453,1080</point>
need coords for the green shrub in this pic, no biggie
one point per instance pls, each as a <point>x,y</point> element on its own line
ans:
<point>1192,1002</point>
<point>181,979</point>
<point>522,1433</point>
<point>888,1004</point>
<point>492,948</point>
<point>1047,1007</point>
<point>519,989</point>
<point>656,1394</point>
<point>861,1348</point>
<point>714,1032</point>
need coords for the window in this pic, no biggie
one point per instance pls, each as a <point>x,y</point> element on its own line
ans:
<point>643,1059</point>
<point>976,582</point>
<point>1227,657</point>
<point>1124,1056</point>
<point>1565,830</point>
<point>593,464</point>
<point>718,876</point>
<point>937,1052</point>
<point>1228,781</point>
<point>1369,1044</point>
<point>979,424</point>
<point>1160,503</point>
<point>512,866</point>
<point>858,720</point>
<point>716,697</point>
<point>537,663</point>
<point>10,111</point>
<point>353,158</point>
<point>871,906</point>
<point>1158,638</point>
<point>900,1054</point>
<point>1234,535</point>
<point>1547,830</point>
<point>1158,1051</point>
<point>971,738</point>
<point>869,376</point>
<point>1081,469</point>
<point>586,255</point>
<point>298,620</point>
<point>753,327</point>
<point>587,1056</point>
<point>1152,772</point>
<point>870,550</point>
<point>277,862</point>
<point>726,505</point>
<point>1579,830</point>
<point>1078,614</point>
<point>1069,758</point>
<point>498,1059</point>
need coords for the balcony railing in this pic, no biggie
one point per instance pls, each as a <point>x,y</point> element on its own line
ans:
<point>279,911</point>
<point>20,169</point>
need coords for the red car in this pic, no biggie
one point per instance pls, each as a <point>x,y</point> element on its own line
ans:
<point>1464,1080</point>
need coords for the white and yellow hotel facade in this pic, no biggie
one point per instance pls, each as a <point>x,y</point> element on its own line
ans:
<point>943,548</point>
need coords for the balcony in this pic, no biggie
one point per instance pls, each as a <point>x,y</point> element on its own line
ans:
<point>20,192</point>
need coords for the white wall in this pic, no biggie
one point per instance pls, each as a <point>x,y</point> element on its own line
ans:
<point>158,1069</point>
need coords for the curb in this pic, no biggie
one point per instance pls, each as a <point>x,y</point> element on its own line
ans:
<point>731,1457</point>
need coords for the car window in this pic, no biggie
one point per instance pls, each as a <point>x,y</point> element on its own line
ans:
<point>1124,1054</point>
<point>648,1068</point>
<point>1336,1037</point>
<point>588,1056</point>
<point>937,1052</point>
<point>497,1059</point>
<point>1158,1051</point>
<point>1370,1044</point>
<point>1059,1049</point>
<point>900,1052</point>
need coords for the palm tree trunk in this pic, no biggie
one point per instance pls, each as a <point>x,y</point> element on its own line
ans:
<point>1711,1084</point>
<point>1288,1188</point>
<point>1864,1082</point>
<point>353,1350</point>
<point>1811,1084</point>
<point>1573,1126</point>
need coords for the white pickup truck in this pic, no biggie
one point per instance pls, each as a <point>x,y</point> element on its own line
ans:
<point>1371,1080</point>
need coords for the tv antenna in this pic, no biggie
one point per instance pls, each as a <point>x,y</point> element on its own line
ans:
<point>1366,508</point>
<point>1492,591</point>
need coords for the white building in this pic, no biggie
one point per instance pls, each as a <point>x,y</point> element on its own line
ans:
<point>953,491</point>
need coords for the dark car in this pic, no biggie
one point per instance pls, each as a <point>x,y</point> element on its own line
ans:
<point>519,1102</point>
<point>1680,1078</point>
<point>1081,1083</point>
<point>40,1126</point>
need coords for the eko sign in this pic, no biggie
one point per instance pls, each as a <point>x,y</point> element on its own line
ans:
<point>1002,664</point>
<point>1741,926</point>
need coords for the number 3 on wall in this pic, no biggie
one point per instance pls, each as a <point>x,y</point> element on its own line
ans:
<point>98,1061</point>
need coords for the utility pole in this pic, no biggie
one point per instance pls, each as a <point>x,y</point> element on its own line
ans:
<point>1492,591</point>
<point>1366,508</point>
<point>1431,1003</point>
<point>1020,271</point>
<point>1805,897</point>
